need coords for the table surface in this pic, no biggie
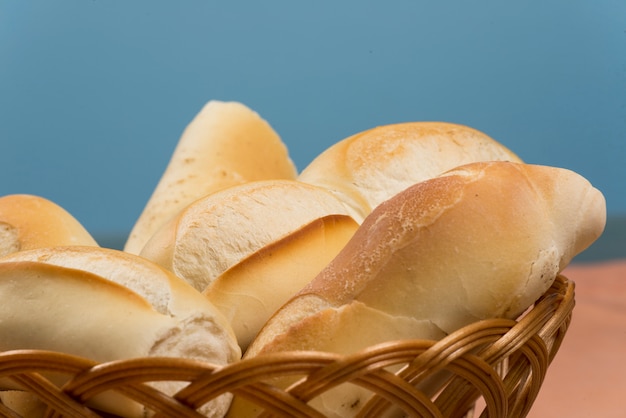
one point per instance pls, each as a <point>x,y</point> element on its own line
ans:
<point>588,376</point>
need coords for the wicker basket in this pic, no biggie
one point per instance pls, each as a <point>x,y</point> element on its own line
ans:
<point>498,364</point>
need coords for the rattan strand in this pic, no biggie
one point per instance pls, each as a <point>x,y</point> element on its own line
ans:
<point>501,361</point>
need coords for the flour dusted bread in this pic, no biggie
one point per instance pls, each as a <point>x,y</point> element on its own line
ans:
<point>250,247</point>
<point>225,144</point>
<point>369,167</point>
<point>480,241</point>
<point>106,305</point>
<point>29,221</point>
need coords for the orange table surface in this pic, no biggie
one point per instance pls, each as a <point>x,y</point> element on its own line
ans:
<point>588,376</point>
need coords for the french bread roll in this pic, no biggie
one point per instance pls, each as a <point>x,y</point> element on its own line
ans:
<point>250,247</point>
<point>250,291</point>
<point>29,221</point>
<point>483,240</point>
<point>105,305</point>
<point>369,167</point>
<point>225,144</point>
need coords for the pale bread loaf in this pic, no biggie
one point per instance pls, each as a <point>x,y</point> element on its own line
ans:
<point>272,227</point>
<point>480,241</point>
<point>29,221</point>
<point>249,292</point>
<point>105,305</point>
<point>369,167</point>
<point>225,144</point>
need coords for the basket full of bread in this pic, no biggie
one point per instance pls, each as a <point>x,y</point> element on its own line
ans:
<point>410,270</point>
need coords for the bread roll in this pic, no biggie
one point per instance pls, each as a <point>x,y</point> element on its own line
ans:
<point>271,228</point>
<point>249,292</point>
<point>105,305</point>
<point>28,221</point>
<point>225,144</point>
<point>481,241</point>
<point>370,167</point>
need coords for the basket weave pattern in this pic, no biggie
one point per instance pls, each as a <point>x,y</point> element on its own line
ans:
<point>501,362</point>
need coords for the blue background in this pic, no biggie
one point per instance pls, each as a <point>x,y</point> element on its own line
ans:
<point>95,94</point>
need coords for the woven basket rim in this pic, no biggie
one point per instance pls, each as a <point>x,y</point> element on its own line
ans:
<point>476,352</point>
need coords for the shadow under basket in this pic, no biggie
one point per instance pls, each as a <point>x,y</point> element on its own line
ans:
<point>491,368</point>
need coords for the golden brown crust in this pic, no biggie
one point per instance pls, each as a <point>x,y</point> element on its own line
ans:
<point>29,221</point>
<point>249,292</point>
<point>167,293</point>
<point>225,144</point>
<point>483,240</point>
<point>249,247</point>
<point>108,305</point>
<point>372,166</point>
<point>480,241</point>
<point>220,230</point>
